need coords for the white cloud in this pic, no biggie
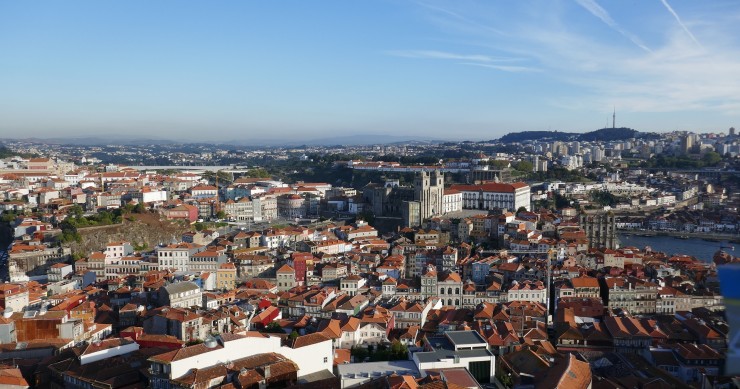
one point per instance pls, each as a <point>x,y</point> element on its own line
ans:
<point>595,9</point>
<point>675,75</point>
<point>481,60</point>
<point>678,19</point>
<point>434,54</point>
<point>458,20</point>
<point>505,68</point>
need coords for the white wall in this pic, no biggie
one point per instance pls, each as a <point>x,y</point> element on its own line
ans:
<point>108,353</point>
<point>310,359</point>
<point>449,363</point>
<point>154,196</point>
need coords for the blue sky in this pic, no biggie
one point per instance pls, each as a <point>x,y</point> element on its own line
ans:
<point>226,70</point>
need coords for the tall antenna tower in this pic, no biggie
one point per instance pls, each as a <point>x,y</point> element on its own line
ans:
<point>614,118</point>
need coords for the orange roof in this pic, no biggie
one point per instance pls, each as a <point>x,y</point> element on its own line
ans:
<point>307,340</point>
<point>204,187</point>
<point>12,377</point>
<point>286,269</point>
<point>585,282</point>
<point>341,356</point>
<point>453,277</point>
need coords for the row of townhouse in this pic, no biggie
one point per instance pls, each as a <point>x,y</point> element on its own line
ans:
<point>188,324</point>
<point>257,208</point>
<point>705,225</point>
<point>634,295</point>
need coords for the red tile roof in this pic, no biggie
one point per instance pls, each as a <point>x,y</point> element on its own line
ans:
<point>307,340</point>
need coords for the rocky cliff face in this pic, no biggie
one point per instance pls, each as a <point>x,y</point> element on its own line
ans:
<point>144,231</point>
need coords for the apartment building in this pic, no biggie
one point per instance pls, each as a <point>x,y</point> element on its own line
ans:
<point>177,256</point>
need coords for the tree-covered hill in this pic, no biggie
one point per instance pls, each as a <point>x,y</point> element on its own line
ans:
<point>604,134</point>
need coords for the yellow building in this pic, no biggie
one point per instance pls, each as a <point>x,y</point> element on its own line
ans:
<point>226,276</point>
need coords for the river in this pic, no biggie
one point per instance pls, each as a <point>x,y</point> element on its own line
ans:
<point>695,247</point>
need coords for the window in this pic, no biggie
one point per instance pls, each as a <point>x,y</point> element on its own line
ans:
<point>326,359</point>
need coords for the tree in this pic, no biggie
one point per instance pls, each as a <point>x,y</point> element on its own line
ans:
<point>499,164</point>
<point>293,335</point>
<point>560,201</point>
<point>381,354</point>
<point>199,226</point>
<point>711,158</point>
<point>367,216</point>
<point>359,353</point>
<point>258,173</point>
<point>69,231</point>
<point>128,208</point>
<point>139,208</point>
<point>76,211</point>
<point>505,380</point>
<point>8,217</point>
<point>273,328</point>
<point>221,215</point>
<point>194,342</point>
<point>524,166</point>
<point>520,210</point>
<point>223,177</point>
<point>602,197</point>
<point>398,351</point>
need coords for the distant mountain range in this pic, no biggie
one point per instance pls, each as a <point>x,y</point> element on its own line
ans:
<point>604,134</point>
<point>93,141</point>
<point>348,140</point>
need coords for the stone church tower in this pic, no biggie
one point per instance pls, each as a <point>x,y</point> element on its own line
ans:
<point>600,229</point>
<point>428,190</point>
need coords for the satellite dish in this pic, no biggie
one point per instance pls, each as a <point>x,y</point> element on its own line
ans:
<point>210,342</point>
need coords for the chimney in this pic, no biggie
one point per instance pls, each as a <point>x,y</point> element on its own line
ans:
<point>267,372</point>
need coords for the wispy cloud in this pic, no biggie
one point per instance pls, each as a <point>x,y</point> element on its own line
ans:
<point>481,60</point>
<point>434,54</point>
<point>595,9</point>
<point>680,23</point>
<point>460,18</point>
<point>505,68</point>
<point>592,73</point>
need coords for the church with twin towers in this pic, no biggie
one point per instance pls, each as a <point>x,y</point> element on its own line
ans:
<point>429,187</point>
<point>427,197</point>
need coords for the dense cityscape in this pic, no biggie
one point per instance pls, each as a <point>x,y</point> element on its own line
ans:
<point>540,259</point>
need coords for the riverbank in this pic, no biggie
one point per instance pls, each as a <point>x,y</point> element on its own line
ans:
<point>695,247</point>
<point>733,238</point>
